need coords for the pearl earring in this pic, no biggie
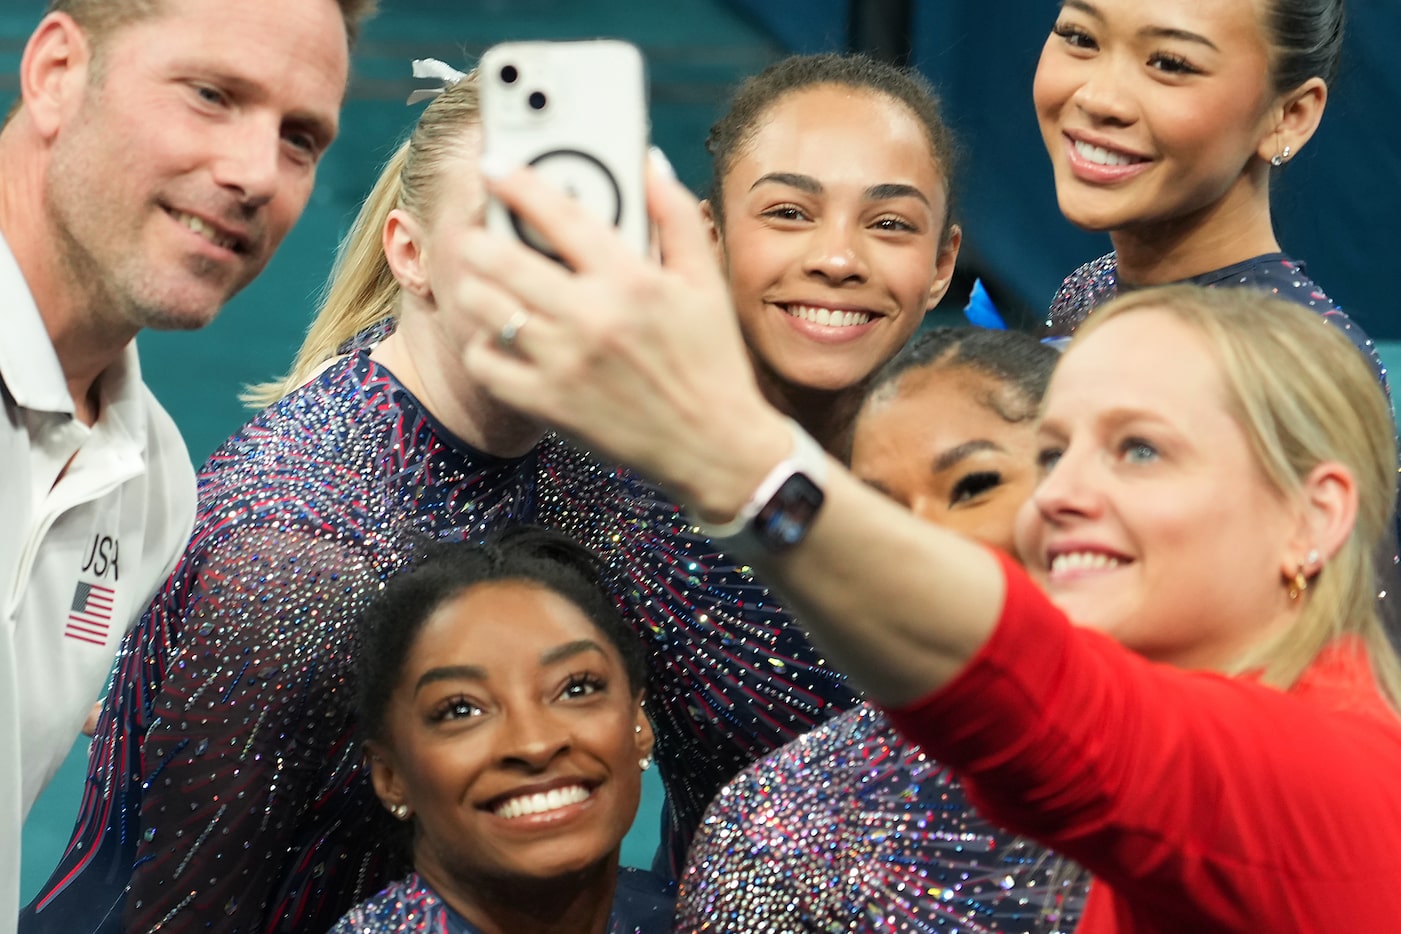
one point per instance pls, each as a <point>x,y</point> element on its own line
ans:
<point>645,762</point>
<point>400,811</point>
<point>1281,157</point>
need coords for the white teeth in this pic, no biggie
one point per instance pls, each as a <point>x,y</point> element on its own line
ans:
<point>544,801</point>
<point>828,317</point>
<point>1082,561</point>
<point>204,230</point>
<point>1101,156</point>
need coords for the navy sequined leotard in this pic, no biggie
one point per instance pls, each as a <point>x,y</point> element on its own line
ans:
<point>225,788</point>
<point>1097,282</point>
<point>641,905</point>
<point>851,828</point>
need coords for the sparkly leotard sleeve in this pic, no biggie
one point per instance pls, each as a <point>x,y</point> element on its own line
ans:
<point>852,828</point>
<point>225,785</point>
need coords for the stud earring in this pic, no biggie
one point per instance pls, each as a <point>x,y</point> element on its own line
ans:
<point>637,728</point>
<point>645,762</point>
<point>1312,559</point>
<point>1281,157</point>
<point>400,811</point>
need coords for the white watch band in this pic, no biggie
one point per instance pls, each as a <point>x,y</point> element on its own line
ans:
<point>805,457</point>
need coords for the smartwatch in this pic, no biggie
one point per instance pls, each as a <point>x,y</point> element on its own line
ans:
<point>784,504</point>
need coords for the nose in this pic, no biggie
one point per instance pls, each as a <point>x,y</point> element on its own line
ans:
<point>1068,489</point>
<point>533,738</point>
<point>835,252</point>
<point>249,162</point>
<point>1103,93</point>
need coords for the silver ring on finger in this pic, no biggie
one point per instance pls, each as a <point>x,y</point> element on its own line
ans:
<point>510,331</point>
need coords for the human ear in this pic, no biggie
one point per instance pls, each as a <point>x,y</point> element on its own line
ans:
<point>53,72</point>
<point>385,776</point>
<point>1298,114</point>
<point>642,730</point>
<point>402,240</point>
<point>944,264</point>
<point>717,236</point>
<point>1327,513</point>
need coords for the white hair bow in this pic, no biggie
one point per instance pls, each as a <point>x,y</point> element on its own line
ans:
<point>432,68</point>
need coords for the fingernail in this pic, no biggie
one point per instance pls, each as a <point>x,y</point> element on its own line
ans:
<point>494,165</point>
<point>660,162</point>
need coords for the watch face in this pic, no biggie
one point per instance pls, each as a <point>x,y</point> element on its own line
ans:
<point>784,519</point>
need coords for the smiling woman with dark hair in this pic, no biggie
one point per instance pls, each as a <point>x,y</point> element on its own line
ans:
<point>501,696</point>
<point>1166,124</point>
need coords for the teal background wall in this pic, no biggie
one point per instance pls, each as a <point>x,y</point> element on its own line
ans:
<point>696,50</point>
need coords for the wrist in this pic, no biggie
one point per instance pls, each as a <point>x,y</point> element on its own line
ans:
<point>715,495</point>
<point>780,504</point>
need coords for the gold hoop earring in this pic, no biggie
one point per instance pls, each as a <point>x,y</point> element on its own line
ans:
<point>1298,584</point>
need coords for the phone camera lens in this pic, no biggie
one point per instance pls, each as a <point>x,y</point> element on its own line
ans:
<point>537,100</point>
<point>509,74</point>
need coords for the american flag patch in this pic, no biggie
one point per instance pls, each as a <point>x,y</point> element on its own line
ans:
<point>91,615</point>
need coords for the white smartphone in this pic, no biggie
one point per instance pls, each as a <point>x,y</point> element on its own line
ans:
<point>577,113</point>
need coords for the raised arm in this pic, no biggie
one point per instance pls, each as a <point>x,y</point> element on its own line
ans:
<point>644,361</point>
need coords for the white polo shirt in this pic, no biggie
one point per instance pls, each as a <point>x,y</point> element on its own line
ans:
<point>80,557</point>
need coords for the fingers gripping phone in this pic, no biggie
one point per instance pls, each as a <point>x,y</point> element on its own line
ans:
<point>576,112</point>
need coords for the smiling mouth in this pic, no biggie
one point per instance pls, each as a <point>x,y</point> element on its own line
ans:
<point>213,235</point>
<point>541,802</point>
<point>1098,155</point>
<point>828,317</point>
<point>1083,561</point>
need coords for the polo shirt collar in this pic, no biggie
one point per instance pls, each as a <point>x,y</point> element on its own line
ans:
<point>29,364</point>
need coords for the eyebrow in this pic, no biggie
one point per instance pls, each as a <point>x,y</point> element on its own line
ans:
<point>1114,419</point>
<point>953,455</point>
<point>1165,32</point>
<point>324,130</point>
<point>806,183</point>
<point>450,673</point>
<point>569,650</point>
<point>478,673</point>
<point>1150,32</point>
<point>1083,7</point>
